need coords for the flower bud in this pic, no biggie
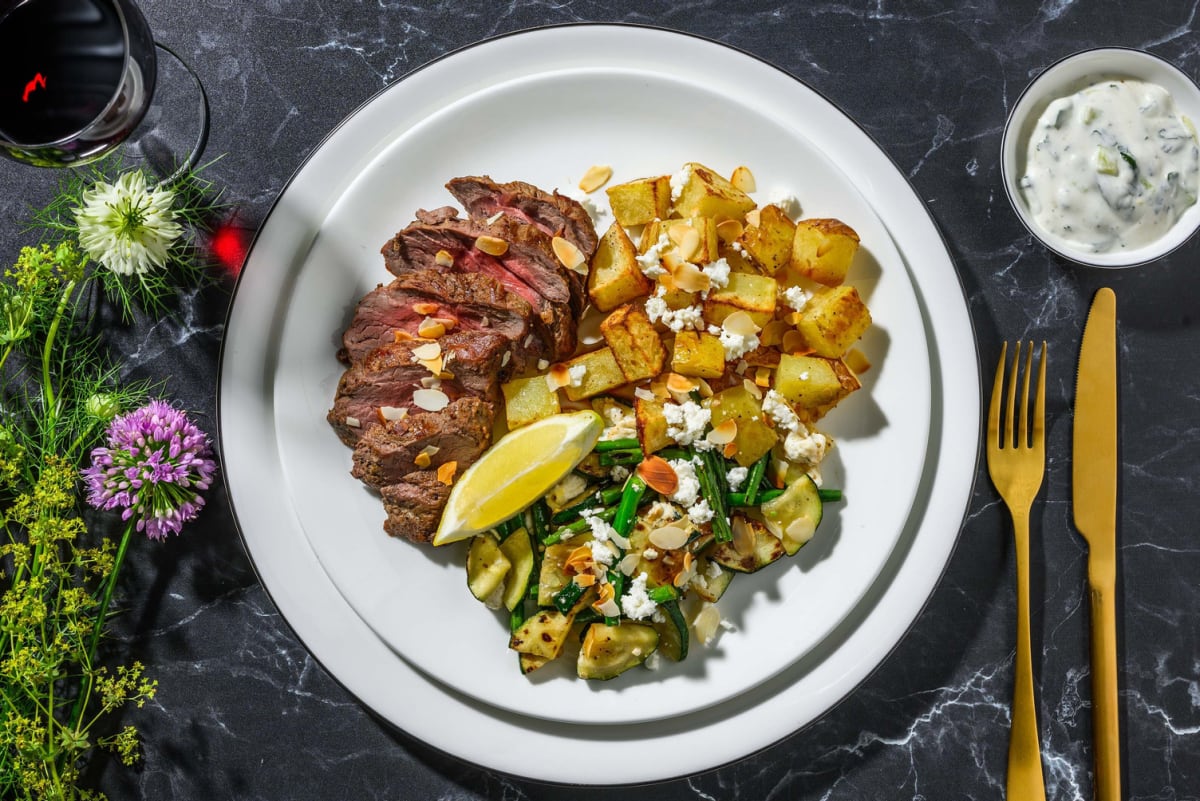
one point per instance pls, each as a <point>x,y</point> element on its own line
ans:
<point>103,406</point>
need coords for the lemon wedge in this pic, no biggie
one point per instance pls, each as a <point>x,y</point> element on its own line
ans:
<point>519,468</point>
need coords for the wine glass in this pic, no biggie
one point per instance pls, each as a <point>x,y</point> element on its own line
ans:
<point>76,79</point>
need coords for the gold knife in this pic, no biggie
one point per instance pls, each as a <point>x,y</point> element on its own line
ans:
<point>1094,478</point>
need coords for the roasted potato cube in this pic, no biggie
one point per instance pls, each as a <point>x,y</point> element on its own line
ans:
<point>813,384</point>
<point>615,276</point>
<point>753,294</point>
<point>638,202</point>
<point>601,374</point>
<point>833,320</point>
<point>739,260</point>
<point>528,399</point>
<point>698,354</point>
<point>651,425</point>
<point>754,436</point>
<point>707,194</point>
<point>769,243</point>
<point>635,343</point>
<point>857,361</point>
<point>822,250</point>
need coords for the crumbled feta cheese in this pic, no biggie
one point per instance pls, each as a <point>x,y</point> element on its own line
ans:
<point>576,372</point>
<point>713,570</point>
<point>601,530</point>
<point>700,512</point>
<point>620,422</point>
<point>718,273</point>
<point>661,512</point>
<point>636,603</point>
<point>619,473</point>
<point>678,180</point>
<point>804,446</point>
<point>602,553</point>
<point>686,422</point>
<point>653,662</point>
<point>649,554</point>
<point>781,412</point>
<point>650,262</point>
<point>735,345</point>
<point>656,307</point>
<point>796,297</point>
<point>675,319</point>
<point>689,486</point>
<point>542,364</point>
<point>735,477</point>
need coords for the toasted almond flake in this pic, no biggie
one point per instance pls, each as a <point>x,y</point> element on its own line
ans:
<point>578,561</point>
<point>729,230</point>
<point>571,257</point>
<point>353,422</point>
<point>686,239</point>
<point>658,475</point>
<point>686,571</point>
<point>794,342</point>
<point>628,563</point>
<point>605,603</point>
<point>495,218</point>
<point>422,460</point>
<point>448,323</point>
<point>779,471</point>
<point>401,336</point>
<point>680,383</point>
<point>424,308</point>
<point>445,473</point>
<point>668,538</point>
<point>743,179</point>
<point>431,381</point>
<point>491,245</point>
<point>752,388</point>
<point>595,177</point>
<point>506,358</point>
<point>730,450</point>
<point>430,350</point>
<point>443,259</point>
<point>762,377</point>
<point>741,324</point>
<point>706,623</point>
<point>691,278</point>
<point>432,450</point>
<point>585,579</point>
<point>559,376</point>
<point>772,333</point>
<point>753,217</point>
<point>706,391</point>
<point>672,261</point>
<point>430,328</point>
<point>740,369</point>
<point>389,414</point>
<point>724,433</point>
<point>743,535</point>
<point>431,400</point>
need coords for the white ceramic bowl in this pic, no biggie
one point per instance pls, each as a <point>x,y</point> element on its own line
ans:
<point>1064,78</point>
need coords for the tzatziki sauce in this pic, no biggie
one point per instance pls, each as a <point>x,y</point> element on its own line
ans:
<point>1111,167</point>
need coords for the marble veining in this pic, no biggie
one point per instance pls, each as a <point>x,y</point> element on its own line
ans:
<point>245,712</point>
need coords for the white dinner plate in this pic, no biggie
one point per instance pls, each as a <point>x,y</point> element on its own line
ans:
<point>370,607</point>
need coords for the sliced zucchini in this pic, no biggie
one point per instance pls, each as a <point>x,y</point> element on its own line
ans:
<point>531,662</point>
<point>714,586</point>
<point>518,550</point>
<point>793,517</point>
<point>608,651</point>
<point>553,576</point>
<point>543,634</point>
<point>752,548</point>
<point>486,568</point>
<point>672,632</point>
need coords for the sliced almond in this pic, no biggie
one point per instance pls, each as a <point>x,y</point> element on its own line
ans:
<point>772,333</point>
<point>724,433</point>
<point>353,422</point>
<point>445,473</point>
<point>585,579</point>
<point>431,328</point>
<point>672,261</point>
<point>680,386</point>
<point>422,460</point>
<point>669,538</point>
<point>743,179</point>
<point>495,217</point>
<point>706,623</point>
<point>431,400</point>
<point>443,259</point>
<point>431,381</point>
<point>741,324</point>
<point>628,563</point>
<point>686,239</point>
<point>401,336</point>
<point>491,245</point>
<point>430,350</point>
<point>658,475</point>
<point>743,535</point>
<point>752,388</point>
<point>595,177</point>
<point>730,450</point>
<point>448,323</point>
<point>691,278</point>
<point>729,230</point>
<point>794,343</point>
<point>578,561</point>
<point>388,414</point>
<point>706,391</point>
<point>686,571</point>
<point>559,376</point>
<point>571,257</point>
<point>753,217</point>
<point>425,308</point>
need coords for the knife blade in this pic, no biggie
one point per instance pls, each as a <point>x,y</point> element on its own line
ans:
<point>1094,504</point>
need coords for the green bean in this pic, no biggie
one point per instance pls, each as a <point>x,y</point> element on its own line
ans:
<point>743,498</point>
<point>605,496</point>
<point>620,457</point>
<point>829,495</point>
<point>754,479</point>
<point>625,444</point>
<point>606,514</point>
<point>626,515</point>
<point>661,595</point>
<point>713,487</point>
<point>566,598</point>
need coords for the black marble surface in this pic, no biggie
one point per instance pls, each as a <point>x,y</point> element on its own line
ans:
<point>243,711</point>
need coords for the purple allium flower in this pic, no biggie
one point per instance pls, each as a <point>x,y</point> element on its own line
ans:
<point>155,466</point>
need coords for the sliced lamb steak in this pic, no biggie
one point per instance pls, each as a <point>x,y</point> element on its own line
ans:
<point>557,215</point>
<point>473,301</point>
<point>390,374</point>
<point>414,505</point>
<point>528,268</point>
<point>459,433</point>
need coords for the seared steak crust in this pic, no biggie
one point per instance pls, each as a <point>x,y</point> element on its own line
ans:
<point>414,505</point>
<point>459,433</point>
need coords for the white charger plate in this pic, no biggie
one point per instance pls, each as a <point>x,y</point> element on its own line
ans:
<point>263,408</point>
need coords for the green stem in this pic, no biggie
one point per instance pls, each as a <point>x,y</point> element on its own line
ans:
<point>48,349</point>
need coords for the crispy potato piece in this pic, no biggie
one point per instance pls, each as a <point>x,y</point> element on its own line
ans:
<point>602,373</point>
<point>770,242</point>
<point>640,201</point>
<point>822,250</point>
<point>814,384</point>
<point>833,320</point>
<point>707,194</point>
<point>698,354</point>
<point>651,425</point>
<point>635,343</point>
<point>615,276</point>
<point>754,436</point>
<point>528,399</point>
<point>753,294</point>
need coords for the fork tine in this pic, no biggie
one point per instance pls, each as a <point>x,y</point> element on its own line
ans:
<point>1010,418</point>
<point>997,394</point>
<point>1039,403</point>
<point>1023,440</point>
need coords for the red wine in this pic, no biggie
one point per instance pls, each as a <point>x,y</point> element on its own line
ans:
<point>75,74</point>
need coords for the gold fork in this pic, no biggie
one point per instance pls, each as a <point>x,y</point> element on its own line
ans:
<point>1016,464</point>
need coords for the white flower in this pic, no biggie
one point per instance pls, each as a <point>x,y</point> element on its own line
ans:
<point>128,227</point>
